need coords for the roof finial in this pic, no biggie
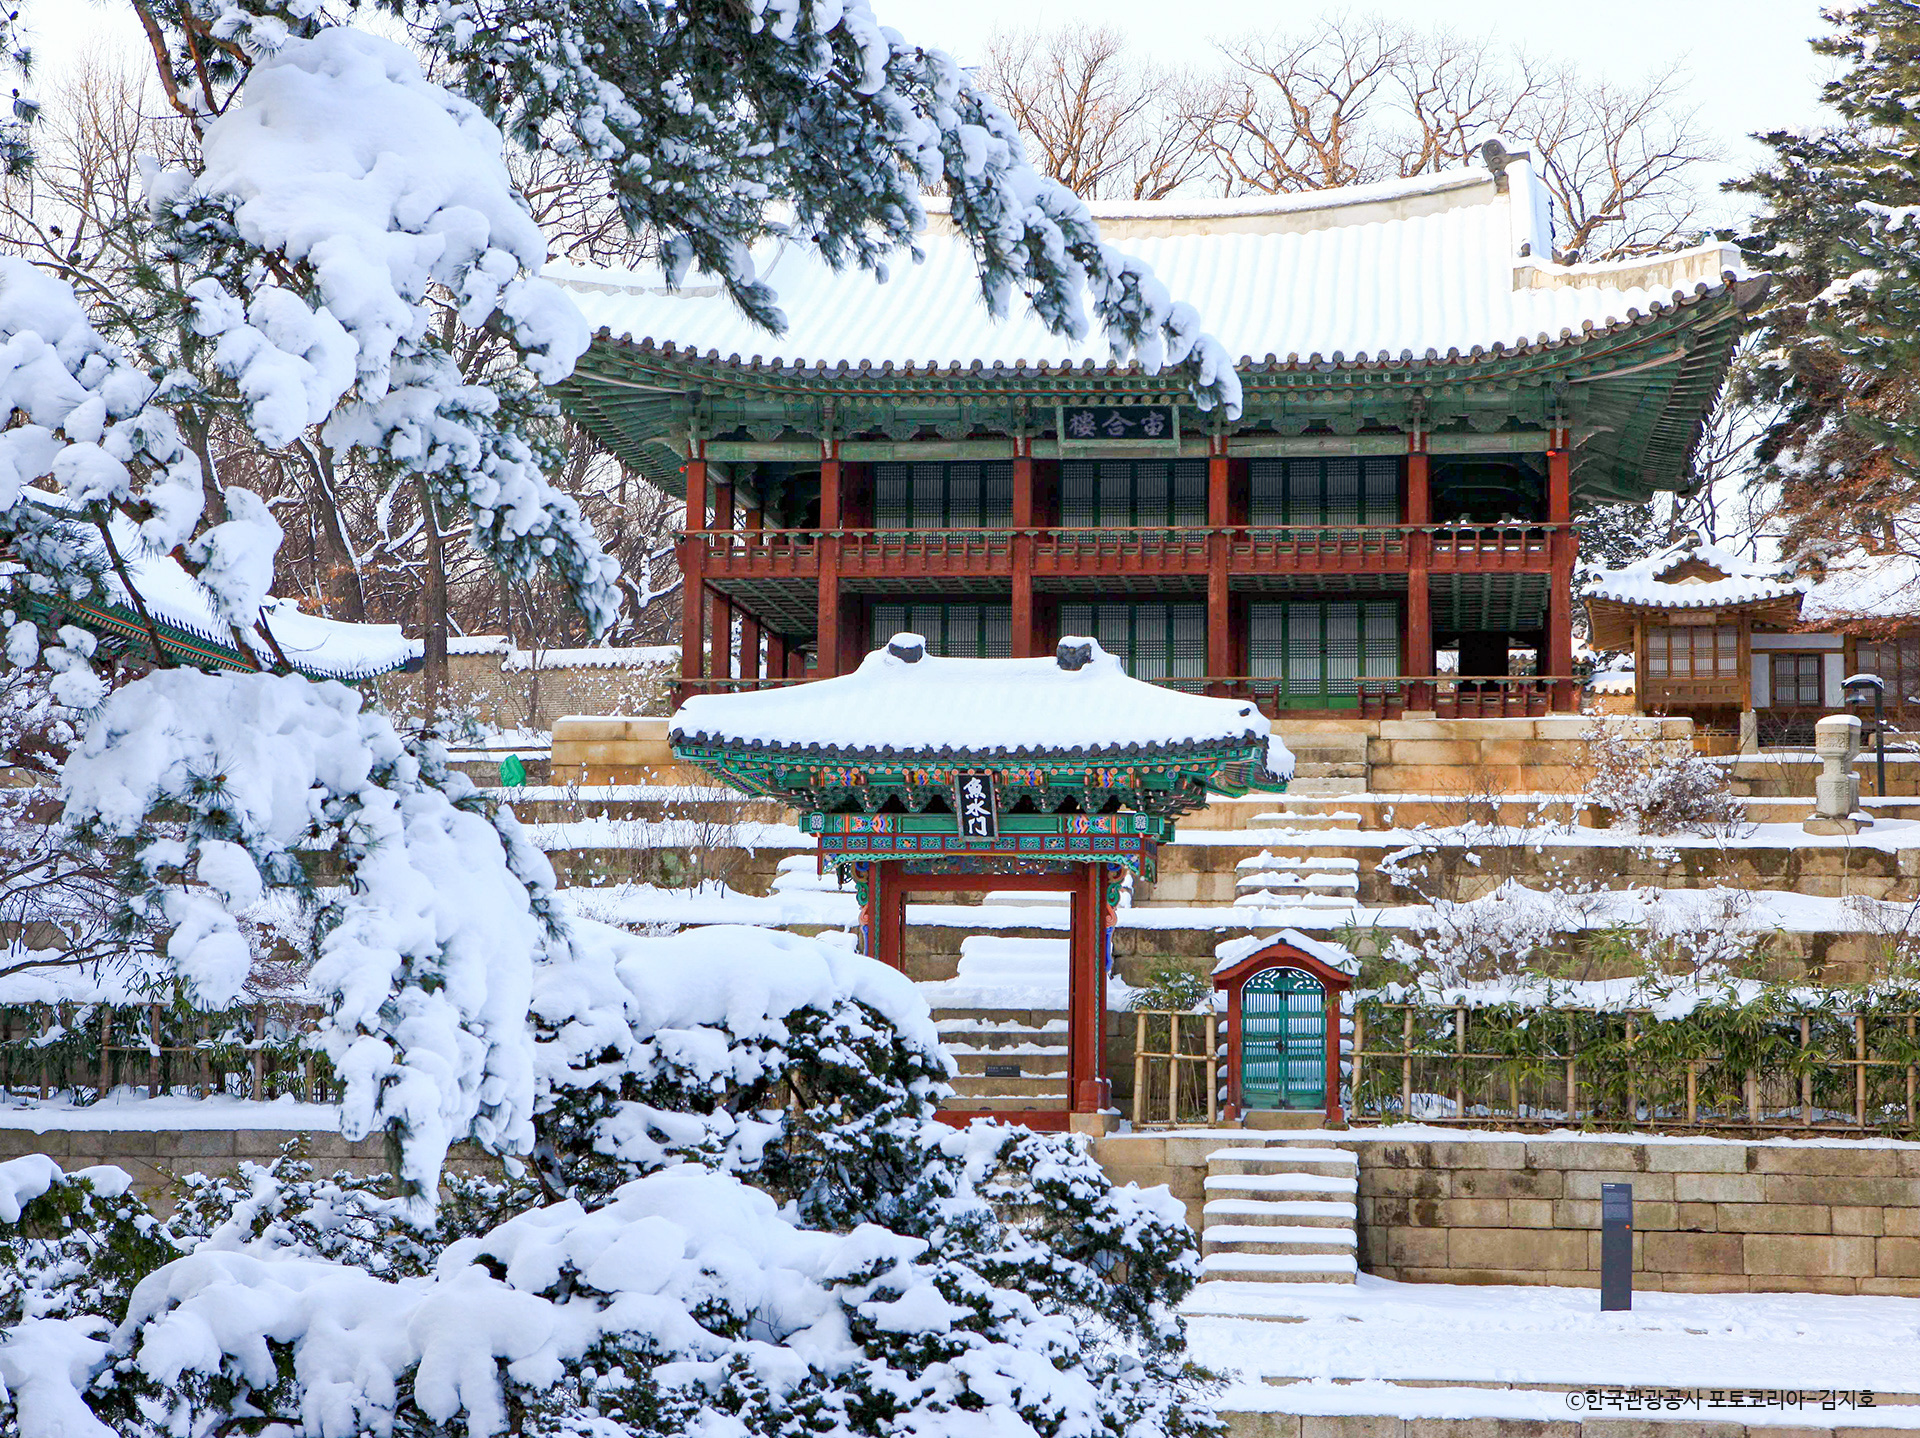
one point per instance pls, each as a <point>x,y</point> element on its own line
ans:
<point>1074,653</point>
<point>907,648</point>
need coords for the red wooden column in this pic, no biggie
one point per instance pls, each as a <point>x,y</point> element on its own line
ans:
<point>776,656</point>
<point>826,642</point>
<point>886,913</point>
<point>1086,994</point>
<point>1558,660</point>
<point>1219,632</point>
<point>1022,617</point>
<point>693,553</point>
<point>750,623</point>
<point>720,664</point>
<point>1419,633</point>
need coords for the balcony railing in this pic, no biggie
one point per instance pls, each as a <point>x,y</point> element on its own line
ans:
<point>1446,695</point>
<point>1143,549</point>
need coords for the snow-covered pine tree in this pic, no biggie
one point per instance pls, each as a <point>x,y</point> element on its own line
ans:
<point>1843,318</point>
<point>343,262</point>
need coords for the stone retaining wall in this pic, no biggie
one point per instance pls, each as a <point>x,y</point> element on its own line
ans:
<point>1709,1216</point>
<point>158,1158</point>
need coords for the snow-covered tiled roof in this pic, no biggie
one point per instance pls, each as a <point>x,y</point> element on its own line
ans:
<point>1745,582</point>
<point>1334,956</point>
<point>903,701</point>
<point>314,645</point>
<point>1867,586</point>
<point>1439,263</point>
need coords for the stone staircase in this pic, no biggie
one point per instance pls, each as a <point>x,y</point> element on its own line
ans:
<point>1280,1214</point>
<point>1326,761</point>
<point>1293,881</point>
<point>1012,1061</point>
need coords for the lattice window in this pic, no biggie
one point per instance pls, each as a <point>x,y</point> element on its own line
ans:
<point>1117,493</point>
<point>1698,651</point>
<point>942,496</point>
<point>1325,491</point>
<point>1153,641</point>
<point>1896,661</point>
<point>1794,680</point>
<point>1320,650</point>
<point>957,631</point>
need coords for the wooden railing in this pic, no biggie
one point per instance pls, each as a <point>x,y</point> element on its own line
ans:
<point>1570,1067</point>
<point>1146,549</point>
<point>1448,696</point>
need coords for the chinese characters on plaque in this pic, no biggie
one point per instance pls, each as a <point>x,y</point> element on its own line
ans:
<point>1085,428</point>
<point>973,802</point>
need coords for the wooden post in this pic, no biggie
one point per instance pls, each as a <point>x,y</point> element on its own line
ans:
<point>1860,1070</point>
<point>720,664</point>
<point>259,1064</point>
<point>1086,1016</point>
<point>1806,1075</point>
<point>1219,629</point>
<point>1419,635</point>
<point>153,1051</point>
<point>1021,619</point>
<point>776,655</point>
<point>1139,1068</point>
<point>1406,1063</point>
<point>750,522</point>
<point>1336,1115</point>
<point>826,642</point>
<point>1558,660</point>
<point>1460,1061</point>
<point>106,1061</point>
<point>1359,1052</point>
<point>693,557</point>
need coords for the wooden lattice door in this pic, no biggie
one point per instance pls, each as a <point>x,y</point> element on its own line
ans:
<point>1283,1041</point>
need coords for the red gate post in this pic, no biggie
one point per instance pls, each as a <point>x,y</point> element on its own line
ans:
<point>1086,1017</point>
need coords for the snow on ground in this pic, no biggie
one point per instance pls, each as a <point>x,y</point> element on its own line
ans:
<point>1384,1333</point>
<point>1761,910</point>
<point>1889,834</point>
<point>1002,973</point>
<point>131,1111</point>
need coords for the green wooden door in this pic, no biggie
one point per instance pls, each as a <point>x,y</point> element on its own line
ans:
<point>1283,1041</point>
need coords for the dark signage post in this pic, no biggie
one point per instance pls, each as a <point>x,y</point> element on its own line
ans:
<point>1616,1247</point>
<point>974,803</point>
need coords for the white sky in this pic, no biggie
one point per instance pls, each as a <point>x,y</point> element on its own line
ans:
<point>1748,64</point>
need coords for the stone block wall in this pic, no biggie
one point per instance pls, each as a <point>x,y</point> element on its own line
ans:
<point>507,689</point>
<point>1501,756</point>
<point>1709,1216</point>
<point>158,1159</point>
<point>598,750</point>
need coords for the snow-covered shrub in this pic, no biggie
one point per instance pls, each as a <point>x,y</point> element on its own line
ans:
<point>686,1303</point>
<point>1174,989</point>
<point>346,1218</point>
<point>744,1049</point>
<point>1660,787</point>
<point>72,1245</point>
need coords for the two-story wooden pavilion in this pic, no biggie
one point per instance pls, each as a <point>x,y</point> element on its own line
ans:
<point>1430,401</point>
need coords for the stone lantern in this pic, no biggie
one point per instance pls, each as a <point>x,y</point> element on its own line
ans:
<point>1836,790</point>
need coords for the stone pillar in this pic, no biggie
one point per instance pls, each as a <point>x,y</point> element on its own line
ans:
<point>1836,792</point>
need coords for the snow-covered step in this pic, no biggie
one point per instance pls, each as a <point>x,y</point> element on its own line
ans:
<point>1280,1213</point>
<point>1280,1267</point>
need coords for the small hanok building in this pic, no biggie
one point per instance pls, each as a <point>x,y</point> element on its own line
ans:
<point>1759,650</point>
<point>918,774</point>
<point>1430,400</point>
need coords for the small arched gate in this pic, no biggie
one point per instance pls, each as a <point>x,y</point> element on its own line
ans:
<point>1283,1015</point>
<point>1283,1040</point>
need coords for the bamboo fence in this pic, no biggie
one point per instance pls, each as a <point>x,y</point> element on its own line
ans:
<point>254,1051</point>
<point>1825,1070</point>
<point>1175,1068</point>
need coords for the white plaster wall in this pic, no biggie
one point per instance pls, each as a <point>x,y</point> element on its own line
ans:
<point>1833,669</point>
<point>1762,682</point>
